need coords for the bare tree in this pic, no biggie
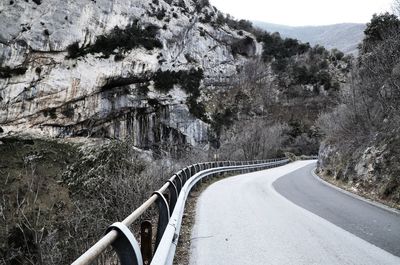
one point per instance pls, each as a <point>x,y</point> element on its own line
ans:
<point>253,139</point>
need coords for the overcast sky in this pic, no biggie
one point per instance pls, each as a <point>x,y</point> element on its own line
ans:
<point>303,12</point>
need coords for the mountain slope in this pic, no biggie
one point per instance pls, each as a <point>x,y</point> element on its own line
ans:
<point>344,37</point>
<point>152,70</point>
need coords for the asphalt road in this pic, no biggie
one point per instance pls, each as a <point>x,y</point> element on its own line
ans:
<point>244,220</point>
<point>373,224</point>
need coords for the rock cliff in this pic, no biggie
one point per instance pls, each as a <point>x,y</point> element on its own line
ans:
<point>371,170</point>
<point>114,68</point>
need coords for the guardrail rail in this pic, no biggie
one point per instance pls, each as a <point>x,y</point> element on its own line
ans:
<point>170,201</point>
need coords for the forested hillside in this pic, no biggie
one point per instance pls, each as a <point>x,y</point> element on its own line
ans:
<point>345,37</point>
<point>361,149</point>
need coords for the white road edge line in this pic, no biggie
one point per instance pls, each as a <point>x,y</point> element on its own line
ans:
<point>377,204</point>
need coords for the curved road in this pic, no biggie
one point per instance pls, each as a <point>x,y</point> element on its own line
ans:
<point>285,216</point>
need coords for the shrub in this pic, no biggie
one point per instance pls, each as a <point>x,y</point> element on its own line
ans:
<point>197,108</point>
<point>119,57</point>
<point>68,111</point>
<point>164,81</point>
<point>337,55</point>
<point>160,14</point>
<point>243,46</point>
<point>220,20</point>
<point>124,39</point>
<point>244,25</point>
<point>7,72</point>
<point>74,51</point>
<point>323,64</point>
<point>190,80</point>
<point>51,112</point>
<point>38,70</point>
<point>278,48</point>
<point>53,192</point>
<point>280,65</point>
<point>380,27</point>
<point>301,74</point>
<point>219,120</point>
<point>189,58</point>
<point>143,88</point>
<point>324,79</point>
<point>119,81</point>
<point>200,4</point>
<point>206,19</point>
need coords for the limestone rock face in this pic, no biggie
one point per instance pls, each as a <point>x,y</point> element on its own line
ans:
<point>44,91</point>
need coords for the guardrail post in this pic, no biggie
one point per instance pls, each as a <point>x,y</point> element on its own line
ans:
<point>146,235</point>
<point>179,183</point>
<point>173,194</point>
<point>125,245</point>
<point>163,217</point>
<point>188,173</point>
<point>185,177</point>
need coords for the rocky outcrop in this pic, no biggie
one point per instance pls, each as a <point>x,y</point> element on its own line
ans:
<point>372,170</point>
<point>66,70</point>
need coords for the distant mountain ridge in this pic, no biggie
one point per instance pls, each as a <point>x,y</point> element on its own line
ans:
<point>345,36</point>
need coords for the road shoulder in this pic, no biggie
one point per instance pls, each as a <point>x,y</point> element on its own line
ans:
<point>354,195</point>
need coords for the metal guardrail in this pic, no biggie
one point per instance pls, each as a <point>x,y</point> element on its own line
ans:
<point>170,200</point>
<point>311,157</point>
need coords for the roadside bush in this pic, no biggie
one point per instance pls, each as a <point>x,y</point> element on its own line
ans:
<point>259,141</point>
<point>57,198</point>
